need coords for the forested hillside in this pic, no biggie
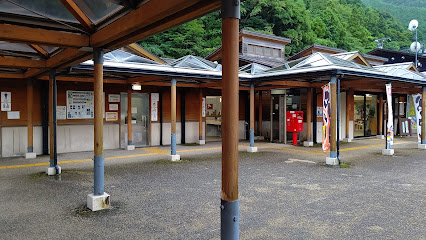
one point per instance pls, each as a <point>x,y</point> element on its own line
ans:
<point>346,24</point>
<point>404,11</point>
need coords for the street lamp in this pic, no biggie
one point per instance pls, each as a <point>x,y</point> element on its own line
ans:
<point>414,24</point>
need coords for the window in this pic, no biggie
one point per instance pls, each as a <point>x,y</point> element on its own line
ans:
<point>267,52</point>
<point>259,50</point>
<point>276,53</point>
<point>250,49</point>
<point>264,51</point>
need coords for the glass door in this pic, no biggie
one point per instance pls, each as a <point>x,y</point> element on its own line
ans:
<point>365,115</point>
<point>140,119</point>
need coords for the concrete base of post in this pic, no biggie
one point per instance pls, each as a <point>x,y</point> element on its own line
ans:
<point>51,171</point>
<point>130,147</point>
<point>174,158</point>
<point>100,202</point>
<point>30,155</point>
<point>348,140</point>
<point>380,136</point>
<point>421,146</point>
<point>388,152</point>
<point>252,149</point>
<point>201,142</point>
<point>331,161</point>
<point>308,144</point>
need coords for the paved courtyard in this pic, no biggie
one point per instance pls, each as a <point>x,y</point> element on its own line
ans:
<point>286,192</point>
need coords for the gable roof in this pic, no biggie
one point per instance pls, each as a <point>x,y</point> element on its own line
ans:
<point>353,56</point>
<point>406,65</point>
<point>316,48</point>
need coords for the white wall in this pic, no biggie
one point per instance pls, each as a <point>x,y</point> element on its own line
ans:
<point>79,138</point>
<point>191,131</point>
<point>155,134</point>
<point>15,141</point>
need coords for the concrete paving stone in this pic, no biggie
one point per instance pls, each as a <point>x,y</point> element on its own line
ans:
<point>375,197</point>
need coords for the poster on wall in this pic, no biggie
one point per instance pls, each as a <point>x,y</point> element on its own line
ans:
<point>113,107</point>
<point>389,132</point>
<point>80,105</point>
<point>326,117</point>
<point>6,101</point>
<point>61,112</point>
<point>114,98</point>
<point>155,97</point>
<point>111,116</point>
<point>418,108</point>
<point>203,107</point>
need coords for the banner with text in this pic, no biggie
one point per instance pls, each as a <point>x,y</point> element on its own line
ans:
<point>326,117</point>
<point>418,107</point>
<point>390,129</point>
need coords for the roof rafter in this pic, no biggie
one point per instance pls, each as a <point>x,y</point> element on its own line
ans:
<point>21,62</point>
<point>39,49</point>
<point>79,15</point>
<point>28,35</point>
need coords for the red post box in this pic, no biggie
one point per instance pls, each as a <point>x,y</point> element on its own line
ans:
<point>294,123</point>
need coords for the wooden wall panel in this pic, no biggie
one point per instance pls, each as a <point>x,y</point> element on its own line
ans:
<point>18,89</point>
<point>167,105</point>
<point>192,102</point>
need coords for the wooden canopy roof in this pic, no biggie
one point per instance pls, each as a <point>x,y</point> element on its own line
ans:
<point>36,36</point>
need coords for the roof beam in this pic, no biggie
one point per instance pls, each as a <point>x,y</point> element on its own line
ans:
<point>144,22</point>
<point>39,49</point>
<point>28,35</point>
<point>144,53</point>
<point>82,79</point>
<point>21,62</point>
<point>79,15</point>
<point>286,83</point>
<point>11,76</point>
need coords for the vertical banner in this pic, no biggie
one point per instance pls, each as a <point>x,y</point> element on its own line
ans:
<point>326,117</point>
<point>203,107</point>
<point>389,132</point>
<point>418,108</point>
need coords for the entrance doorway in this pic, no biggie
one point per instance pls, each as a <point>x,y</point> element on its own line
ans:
<point>213,118</point>
<point>365,115</point>
<point>140,120</point>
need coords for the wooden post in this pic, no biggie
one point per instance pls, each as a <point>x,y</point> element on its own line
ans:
<point>332,160</point>
<point>30,100</point>
<point>309,110</point>
<point>230,88</point>
<point>252,148</point>
<point>380,127</point>
<point>260,115</point>
<point>99,123</point>
<point>99,199</point>
<point>129,117</point>
<point>200,120</point>
<point>173,156</point>
<point>53,168</point>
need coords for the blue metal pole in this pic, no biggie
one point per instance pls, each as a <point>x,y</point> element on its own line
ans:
<point>98,58</point>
